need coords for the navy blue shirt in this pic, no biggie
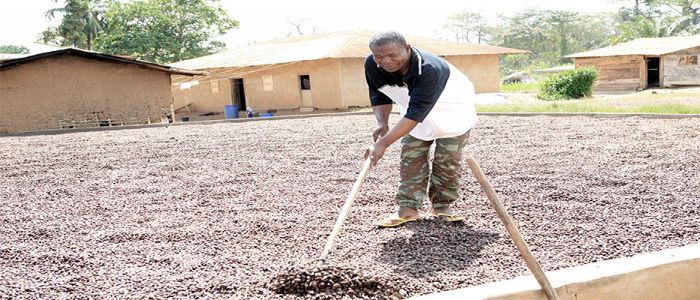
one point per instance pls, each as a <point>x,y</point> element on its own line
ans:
<point>425,80</point>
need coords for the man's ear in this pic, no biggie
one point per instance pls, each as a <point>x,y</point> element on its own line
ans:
<point>408,47</point>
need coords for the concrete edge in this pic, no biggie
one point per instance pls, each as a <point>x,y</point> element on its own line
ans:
<point>303,116</point>
<point>595,115</point>
<point>568,279</point>
<point>158,125</point>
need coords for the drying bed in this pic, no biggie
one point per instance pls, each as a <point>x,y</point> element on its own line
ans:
<point>238,210</point>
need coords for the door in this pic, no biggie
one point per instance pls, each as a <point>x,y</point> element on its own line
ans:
<point>238,93</point>
<point>653,72</point>
<point>305,86</point>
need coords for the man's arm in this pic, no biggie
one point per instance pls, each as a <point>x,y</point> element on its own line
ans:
<point>381,112</point>
<point>403,127</point>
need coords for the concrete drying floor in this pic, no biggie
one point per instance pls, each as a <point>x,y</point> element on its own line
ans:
<point>218,210</point>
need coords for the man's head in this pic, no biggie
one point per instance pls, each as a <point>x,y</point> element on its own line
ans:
<point>391,52</point>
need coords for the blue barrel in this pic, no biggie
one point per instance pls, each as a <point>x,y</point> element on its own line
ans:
<point>231,111</point>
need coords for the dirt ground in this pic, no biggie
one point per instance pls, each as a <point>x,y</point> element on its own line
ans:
<point>223,210</point>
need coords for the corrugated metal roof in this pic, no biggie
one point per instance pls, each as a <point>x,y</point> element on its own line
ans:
<point>645,46</point>
<point>346,44</point>
<point>6,64</point>
<point>34,48</point>
<point>9,56</point>
<point>554,69</point>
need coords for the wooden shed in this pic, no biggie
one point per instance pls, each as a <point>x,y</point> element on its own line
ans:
<point>323,71</point>
<point>645,63</point>
<point>70,88</point>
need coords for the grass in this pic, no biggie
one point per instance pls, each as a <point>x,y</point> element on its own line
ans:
<point>521,87</point>
<point>665,102</point>
<point>530,87</point>
<point>660,101</point>
<point>589,107</point>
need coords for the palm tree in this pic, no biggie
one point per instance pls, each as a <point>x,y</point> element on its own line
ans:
<point>82,21</point>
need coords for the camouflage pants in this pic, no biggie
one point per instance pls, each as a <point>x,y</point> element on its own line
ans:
<point>416,171</point>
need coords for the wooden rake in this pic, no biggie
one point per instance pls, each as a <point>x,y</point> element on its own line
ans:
<point>512,229</point>
<point>346,209</point>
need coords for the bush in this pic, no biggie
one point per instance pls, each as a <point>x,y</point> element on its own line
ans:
<point>571,84</point>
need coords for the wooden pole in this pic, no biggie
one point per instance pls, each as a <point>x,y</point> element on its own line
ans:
<point>512,229</point>
<point>346,208</point>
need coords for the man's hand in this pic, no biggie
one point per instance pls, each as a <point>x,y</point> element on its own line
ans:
<point>383,138</point>
<point>375,152</point>
<point>380,132</point>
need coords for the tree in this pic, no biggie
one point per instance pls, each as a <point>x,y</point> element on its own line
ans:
<point>685,8</point>
<point>636,10</point>
<point>687,14</point>
<point>82,22</point>
<point>563,24</point>
<point>297,24</point>
<point>467,26</point>
<point>164,31</point>
<point>12,49</point>
<point>647,27</point>
<point>550,35</point>
<point>658,18</point>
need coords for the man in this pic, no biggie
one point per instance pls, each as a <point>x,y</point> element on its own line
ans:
<point>435,102</point>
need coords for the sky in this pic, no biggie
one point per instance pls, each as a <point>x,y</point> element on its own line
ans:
<point>21,21</point>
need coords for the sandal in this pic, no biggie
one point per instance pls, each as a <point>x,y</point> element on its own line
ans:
<point>449,217</point>
<point>394,220</point>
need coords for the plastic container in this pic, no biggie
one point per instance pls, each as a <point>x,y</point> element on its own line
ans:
<point>266,115</point>
<point>231,111</point>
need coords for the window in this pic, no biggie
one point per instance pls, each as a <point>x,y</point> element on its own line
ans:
<point>688,60</point>
<point>267,84</point>
<point>305,82</point>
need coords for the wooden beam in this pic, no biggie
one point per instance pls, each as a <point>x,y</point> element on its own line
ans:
<point>512,229</point>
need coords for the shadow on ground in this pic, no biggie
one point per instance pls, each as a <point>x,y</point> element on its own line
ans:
<point>434,246</point>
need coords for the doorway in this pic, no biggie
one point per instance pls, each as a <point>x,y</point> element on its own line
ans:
<point>653,72</point>
<point>238,93</point>
<point>305,87</point>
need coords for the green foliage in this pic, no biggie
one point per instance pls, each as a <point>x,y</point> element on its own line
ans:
<point>12,49</point>
<point>572,84</point>
<point>164,31</point>
<point>648,27</point>
<point>637,27</point>
<point>514,63</point>
<point>550,35</point>
<point>82,22</point>
<point>50,36</point>
<point>658,18</point>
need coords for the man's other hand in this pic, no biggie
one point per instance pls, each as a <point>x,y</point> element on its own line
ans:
<point>380,132</point>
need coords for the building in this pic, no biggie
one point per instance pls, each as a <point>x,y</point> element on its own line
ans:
<point>70,88</point>
<point>323,71</point>
<point>645,63</point>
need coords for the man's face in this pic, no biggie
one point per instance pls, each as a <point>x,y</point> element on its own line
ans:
<point>391,56</point>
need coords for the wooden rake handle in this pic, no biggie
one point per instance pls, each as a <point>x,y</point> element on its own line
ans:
<point>346,208</point>
<point>512,229</point>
